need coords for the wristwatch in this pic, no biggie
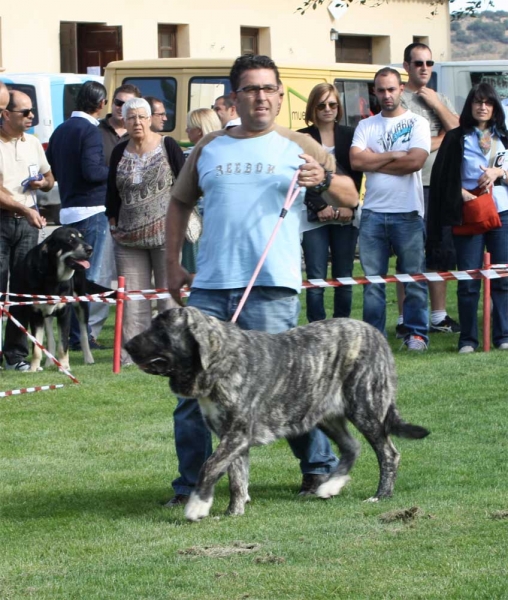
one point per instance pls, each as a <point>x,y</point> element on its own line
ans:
<point>325,184</point>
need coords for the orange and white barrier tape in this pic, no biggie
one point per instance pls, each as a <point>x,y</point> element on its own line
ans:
<point>31,337</point>
<point>38,388</point>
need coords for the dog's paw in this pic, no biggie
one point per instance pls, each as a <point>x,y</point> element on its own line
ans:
<point>35,368</point>
<point>197,509</point>
<point>237,508</point>
<point>332,487</point>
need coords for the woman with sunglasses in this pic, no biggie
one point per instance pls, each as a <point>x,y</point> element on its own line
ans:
<point>329,230</point>
<point>473,158</point>
<point>142,172</point>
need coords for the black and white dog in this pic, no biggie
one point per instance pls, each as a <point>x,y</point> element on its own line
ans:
<point>56,267</point>
<point>254,388</point>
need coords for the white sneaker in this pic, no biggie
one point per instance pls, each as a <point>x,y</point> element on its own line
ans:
<point>21,366</point>
<point>469,349</point>
<point>415,343</point>
<point>503,346</point>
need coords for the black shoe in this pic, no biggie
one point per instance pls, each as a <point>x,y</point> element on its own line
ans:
<point>94,344</point>
<point>401,331</point>
<point>311,482</point>
<point>447,325</point>
<point>177,500</point>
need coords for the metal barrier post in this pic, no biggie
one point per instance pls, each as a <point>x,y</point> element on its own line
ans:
<point>486,305</point>
<point>117,345</point>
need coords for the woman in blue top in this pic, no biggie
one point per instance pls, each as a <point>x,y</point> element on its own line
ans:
<point>329,230</point>
<point>475,155</point>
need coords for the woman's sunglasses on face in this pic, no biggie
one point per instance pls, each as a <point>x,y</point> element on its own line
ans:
<point>323,105</point>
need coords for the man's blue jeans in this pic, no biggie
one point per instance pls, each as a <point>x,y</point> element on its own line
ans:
<point>269,309</point>
<point>94,231</point>
<point>404,233</point>
<point>17,237</point>
<point>341,241</point>
<point>470,249</point>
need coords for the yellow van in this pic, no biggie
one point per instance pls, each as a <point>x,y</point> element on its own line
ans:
<point>184,84</point>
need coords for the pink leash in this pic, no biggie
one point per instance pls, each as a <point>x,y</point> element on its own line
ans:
<point>291,196</point>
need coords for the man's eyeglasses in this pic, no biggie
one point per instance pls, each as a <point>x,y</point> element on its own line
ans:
<point>162,114</point>
<point>118,102</point>
<point>25,112</point>
<point>323,105</point>
<point>254,90</point>
<point>134,118</point>
<point>420,63</point>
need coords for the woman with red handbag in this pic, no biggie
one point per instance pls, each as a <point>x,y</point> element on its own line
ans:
<point>471,166</point>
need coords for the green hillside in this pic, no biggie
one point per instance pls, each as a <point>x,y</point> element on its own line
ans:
<point>483,37</point>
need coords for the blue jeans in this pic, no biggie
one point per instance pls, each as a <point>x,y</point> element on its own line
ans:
<point>405,234</point>
<point>269,309</point>
<point>470,249</point>
<point>17,237</point>
<point>341,240</point>
<point>94,231</point>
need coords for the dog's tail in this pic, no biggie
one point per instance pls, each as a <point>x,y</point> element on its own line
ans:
<point>396,426</point>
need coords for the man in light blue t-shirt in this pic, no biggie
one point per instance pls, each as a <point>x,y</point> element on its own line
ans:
<point>243,175</point>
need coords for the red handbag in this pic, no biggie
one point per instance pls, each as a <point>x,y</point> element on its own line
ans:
<point>478,215</point>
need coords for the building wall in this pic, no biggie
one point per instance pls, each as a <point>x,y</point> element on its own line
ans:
<point>32,44</point>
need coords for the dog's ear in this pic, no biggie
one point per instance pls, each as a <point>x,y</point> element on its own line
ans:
<point>206,334</point>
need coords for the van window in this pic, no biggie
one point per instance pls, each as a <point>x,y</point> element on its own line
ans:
<point>204,90</point>
<point>29,90</point>
<point>358,101</point>
<point>497,79</point>
<point>163,88</point>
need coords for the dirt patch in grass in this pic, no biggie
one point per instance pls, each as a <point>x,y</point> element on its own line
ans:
<point>499,514</point>
<point>270,559</point>
<point>220,551</point>
<point>406,514</point>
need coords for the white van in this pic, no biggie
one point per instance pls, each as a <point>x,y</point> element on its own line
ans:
<point>53,97</point>
<point>454,79</point>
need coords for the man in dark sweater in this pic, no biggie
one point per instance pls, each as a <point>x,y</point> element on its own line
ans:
<point>76,155</point>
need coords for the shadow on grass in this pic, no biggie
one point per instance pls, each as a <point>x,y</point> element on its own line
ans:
<point>118,503</point>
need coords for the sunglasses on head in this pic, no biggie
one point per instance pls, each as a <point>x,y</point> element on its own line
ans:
<point>323,105</point>
<point>25,112</point>
<point>420,63</point>
<point>118,102</point>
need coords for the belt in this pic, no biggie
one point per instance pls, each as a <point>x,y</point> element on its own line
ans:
<point>11,214</point>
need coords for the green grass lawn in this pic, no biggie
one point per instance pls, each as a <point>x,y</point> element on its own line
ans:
<point>85,470</point>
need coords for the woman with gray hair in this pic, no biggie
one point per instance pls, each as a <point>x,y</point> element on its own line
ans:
<point>142,172</point>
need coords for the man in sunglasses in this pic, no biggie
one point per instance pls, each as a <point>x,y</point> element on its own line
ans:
<point>21,156</point>
<point>112,126</point>
<point>439,112</point>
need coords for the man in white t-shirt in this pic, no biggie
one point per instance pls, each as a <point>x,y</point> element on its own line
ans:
<point>391,148</point>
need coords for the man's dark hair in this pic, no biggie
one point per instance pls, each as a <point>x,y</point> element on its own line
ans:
<point>486,93</point>
<point>152,100</point>
<point>90,96</point>
<point>247,63</point>
<point>411,47</point>
<point>387,71</point>
<point>228,102</point>
<point>128,88</point>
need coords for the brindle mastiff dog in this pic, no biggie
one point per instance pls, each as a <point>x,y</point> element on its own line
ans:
<point>254,388</point>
